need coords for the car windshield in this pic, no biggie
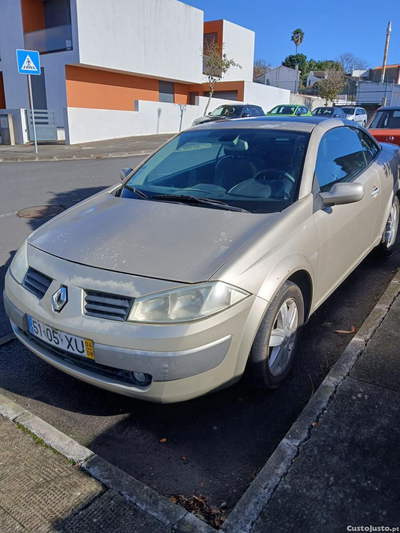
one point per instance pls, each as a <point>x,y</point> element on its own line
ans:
<point>283,110</point>
<point>387,119</point>
<point>226,111</point>
<point>256,170</point>
<point>348,110</point>
<point>324,111</point>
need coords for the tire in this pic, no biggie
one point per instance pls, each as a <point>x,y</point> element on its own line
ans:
<point>269,365</point>
<point>391,229</point>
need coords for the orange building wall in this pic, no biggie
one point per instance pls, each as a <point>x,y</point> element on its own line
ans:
<point>32,15</point>
<point>181,93</point>
<point>2,95</point>
<point>215,26</point>
<point>221,86</point>
<point>99,89</point>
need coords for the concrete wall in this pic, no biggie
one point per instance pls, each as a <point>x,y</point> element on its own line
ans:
<point>87,125</point>
<point>309,101</point>
<point>155,38</point>
<point>239,46</point>
<point>20,124</point>
<point>11,38</point>
<point>264,95</point>
<point>15,85</point>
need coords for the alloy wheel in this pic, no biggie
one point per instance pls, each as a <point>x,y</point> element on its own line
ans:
<point>283,337</point>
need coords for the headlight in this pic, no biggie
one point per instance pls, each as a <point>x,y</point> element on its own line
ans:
<point>19,264</point>
<point>185,304</point>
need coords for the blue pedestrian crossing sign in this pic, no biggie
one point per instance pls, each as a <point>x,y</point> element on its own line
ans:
<point>28,62</point>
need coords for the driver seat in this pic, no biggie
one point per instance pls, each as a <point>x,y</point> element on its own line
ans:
<point>233,169</point>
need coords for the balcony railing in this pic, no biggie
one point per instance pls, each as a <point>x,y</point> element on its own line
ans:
<point>56,39</point>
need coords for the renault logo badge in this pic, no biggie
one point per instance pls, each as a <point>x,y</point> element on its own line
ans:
<point>59,298</point>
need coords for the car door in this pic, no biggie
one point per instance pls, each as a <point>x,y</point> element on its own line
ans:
<point>345,232</point>
<point>359,116</point>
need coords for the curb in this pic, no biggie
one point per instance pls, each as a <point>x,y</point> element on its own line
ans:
<point>257,496</point>
<point>178,519</point>
<point>54,158</point>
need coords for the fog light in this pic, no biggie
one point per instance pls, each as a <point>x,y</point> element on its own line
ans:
<point>140,378</point>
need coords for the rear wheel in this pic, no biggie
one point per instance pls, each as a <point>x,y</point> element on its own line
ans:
<point>274,347</point>
<point>392,226</point>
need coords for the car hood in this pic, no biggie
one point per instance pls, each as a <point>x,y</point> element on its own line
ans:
<point>161,240</point>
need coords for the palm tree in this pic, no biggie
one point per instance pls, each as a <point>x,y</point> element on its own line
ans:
<point>297,37</point>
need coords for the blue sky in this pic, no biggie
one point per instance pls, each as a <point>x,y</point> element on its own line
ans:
<point>360,29</point>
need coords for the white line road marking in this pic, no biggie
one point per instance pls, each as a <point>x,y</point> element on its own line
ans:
<point>9,214</point>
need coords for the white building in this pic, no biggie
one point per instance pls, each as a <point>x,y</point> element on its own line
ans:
<point>283,77</point>
<point>114,68</point>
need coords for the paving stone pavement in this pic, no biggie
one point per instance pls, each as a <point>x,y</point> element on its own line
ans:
<point>42,492</point>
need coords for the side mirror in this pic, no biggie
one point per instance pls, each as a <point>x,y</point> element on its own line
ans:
<point>343,193</point>
<point>245,115</point>
<point>124,173</point>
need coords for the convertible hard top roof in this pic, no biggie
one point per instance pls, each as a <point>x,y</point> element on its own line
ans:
<point>306,124</point>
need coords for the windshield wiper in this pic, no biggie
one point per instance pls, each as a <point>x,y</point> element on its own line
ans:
<point>195,200</point>
<point>136,191</point>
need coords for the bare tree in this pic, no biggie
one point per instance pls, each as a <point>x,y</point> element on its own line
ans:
<point>215,65</point>
<point>331,85</point>
<point>350,62</point>
<point>260,68</point>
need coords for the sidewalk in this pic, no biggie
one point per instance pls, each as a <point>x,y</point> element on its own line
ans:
<point>337,468</point>
<point>339,465</point>
<point>127,147</point>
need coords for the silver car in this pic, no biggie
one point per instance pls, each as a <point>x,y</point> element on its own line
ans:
<point>204,264</point>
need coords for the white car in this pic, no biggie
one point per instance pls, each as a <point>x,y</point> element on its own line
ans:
<point>358,114</point>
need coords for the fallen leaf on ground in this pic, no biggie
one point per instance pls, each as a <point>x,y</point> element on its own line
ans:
<point>184,458</point>
<point>163,440</point>
<point>345,332</point>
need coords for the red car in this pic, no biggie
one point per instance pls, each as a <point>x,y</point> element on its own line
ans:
<point>385,125</point>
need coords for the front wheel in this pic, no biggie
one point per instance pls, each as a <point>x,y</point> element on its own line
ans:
<point>274,348</point>
<point>391,229</point>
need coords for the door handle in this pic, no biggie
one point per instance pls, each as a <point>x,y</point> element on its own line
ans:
<point>375,191</point>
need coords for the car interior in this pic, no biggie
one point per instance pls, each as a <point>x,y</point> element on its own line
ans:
<point>234,167</point>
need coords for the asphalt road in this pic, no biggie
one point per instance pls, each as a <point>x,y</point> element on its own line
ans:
<point>215,444</point>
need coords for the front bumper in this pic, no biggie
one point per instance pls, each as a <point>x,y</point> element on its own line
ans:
<point>184,360</point>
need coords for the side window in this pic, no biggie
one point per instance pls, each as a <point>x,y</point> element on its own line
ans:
<point>340,157</point>
<point>369,147</point>
<point>359,112</point>
<point>245,111</point>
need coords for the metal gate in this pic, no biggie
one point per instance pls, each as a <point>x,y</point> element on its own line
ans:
<point>45,122</point>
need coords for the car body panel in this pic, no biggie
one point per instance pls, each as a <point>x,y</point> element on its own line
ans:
<point>391,136</point>
<point>132,228</point>
<point>132,248</point>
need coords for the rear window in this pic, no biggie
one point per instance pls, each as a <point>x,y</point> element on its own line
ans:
<point>349,110</point>
<point>386,119</point>
<point>283,110</point>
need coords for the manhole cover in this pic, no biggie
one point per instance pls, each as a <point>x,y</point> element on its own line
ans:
<point>41,211</point>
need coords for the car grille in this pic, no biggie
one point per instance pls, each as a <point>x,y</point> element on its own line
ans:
<point>36,283</point>
<point>107,372</point>
<point>109,306</point>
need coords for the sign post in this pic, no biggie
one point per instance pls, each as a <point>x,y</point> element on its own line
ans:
<point>28,62</point>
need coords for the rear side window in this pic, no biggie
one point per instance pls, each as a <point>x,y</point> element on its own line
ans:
<point>369,147</point>
<point>359,112</point>
<point>256,111</point>
<point>340,157</point>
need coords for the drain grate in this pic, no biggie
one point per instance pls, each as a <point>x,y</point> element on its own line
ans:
<point>41,211</point>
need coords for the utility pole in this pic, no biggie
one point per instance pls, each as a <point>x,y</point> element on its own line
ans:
<point>389,29</point>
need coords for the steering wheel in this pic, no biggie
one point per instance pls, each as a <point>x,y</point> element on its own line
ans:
<point>281,174</point>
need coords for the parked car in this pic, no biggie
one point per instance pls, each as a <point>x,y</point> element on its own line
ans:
<point>289,110</point>
<point>208,259</point>
<point>227,111</point>
<point>385,126</point>
<point>358,114</point>
<point>328,112</point>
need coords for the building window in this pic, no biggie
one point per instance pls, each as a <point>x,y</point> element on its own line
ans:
<point>166,90</point>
